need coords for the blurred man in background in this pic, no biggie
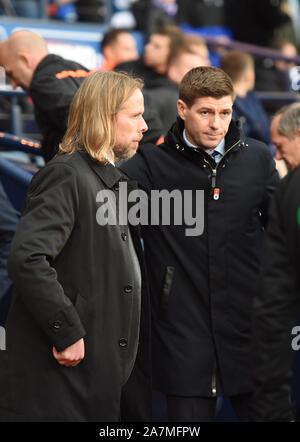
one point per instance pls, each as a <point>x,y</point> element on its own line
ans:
<point>50,80</point>
<point>153,64</point>
<point>118,46</point>
<point>165,97</point>
<point>239,65</point>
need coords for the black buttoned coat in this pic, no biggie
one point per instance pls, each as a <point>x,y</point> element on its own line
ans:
<point>72,279</point>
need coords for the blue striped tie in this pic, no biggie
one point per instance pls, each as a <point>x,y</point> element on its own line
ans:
<point>214,155</point>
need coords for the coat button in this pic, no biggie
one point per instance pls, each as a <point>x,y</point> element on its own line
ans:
<point>128,289</point>
<point>124,236</point>
<point>123,342</point>
<point>56,325</point>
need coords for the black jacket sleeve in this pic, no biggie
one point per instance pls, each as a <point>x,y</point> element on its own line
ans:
<point>45,227</point>
<point>52,98</point>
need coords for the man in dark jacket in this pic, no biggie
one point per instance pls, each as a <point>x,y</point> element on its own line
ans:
<point>50,80</point>
<point>277,307</point>
<point>203,270</point>
<point>77,345</point>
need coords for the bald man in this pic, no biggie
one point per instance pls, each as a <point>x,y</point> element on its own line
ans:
<point>277,138</point>
<point>49,79</point>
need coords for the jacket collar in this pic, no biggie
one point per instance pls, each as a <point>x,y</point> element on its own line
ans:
<point>234,134</point>
<point>108,173</point>
<point>47,60</point>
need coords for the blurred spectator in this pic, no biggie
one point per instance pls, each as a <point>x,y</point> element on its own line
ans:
<point>151,14</point>
<point>198,46</point>
<point>199,13</point>
<point>277,75</point>
<point>276,140</point>
<point>22,8</point>
<point>165,97</point>
<point>92,10</point>
<point>51,82</point>
<point>274,75</point>
<point>255,21</point>
<point>240,67</point>
<point>288,49</point>
<point>118,46</point>
<point>153,64</point>
<point>8,224</point>
<point>183,61</point>
<point>294,6</point>
<point>122,15</point>
<point>62,10</point>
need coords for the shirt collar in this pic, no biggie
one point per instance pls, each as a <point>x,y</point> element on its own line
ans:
<point>219,148</point>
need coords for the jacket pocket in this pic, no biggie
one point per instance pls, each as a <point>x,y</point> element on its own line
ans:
<point>81,307</point>
<point>166,290</point>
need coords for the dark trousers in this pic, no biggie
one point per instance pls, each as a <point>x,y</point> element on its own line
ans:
<point>202,409</point>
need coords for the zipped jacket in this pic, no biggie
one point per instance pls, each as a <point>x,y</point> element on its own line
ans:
<point>203,266</point>
<point>54,83</point>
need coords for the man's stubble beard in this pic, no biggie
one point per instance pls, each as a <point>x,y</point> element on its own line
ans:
<point>123,153</point>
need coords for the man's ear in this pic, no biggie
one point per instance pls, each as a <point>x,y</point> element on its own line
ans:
<point>26,58</point>
<point>181,109</point>
<point>107,52</point>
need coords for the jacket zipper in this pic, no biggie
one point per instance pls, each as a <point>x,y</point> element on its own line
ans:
<point>214,381</point>
<point>213,185</point>
<point>214,171</point>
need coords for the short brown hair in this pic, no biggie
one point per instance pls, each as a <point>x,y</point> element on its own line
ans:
<point>205,81</point>
<point>111,36</point>
<point>194,40</point>
<point>235,63</point>
<point>176,38</point>
<point>92,117</point>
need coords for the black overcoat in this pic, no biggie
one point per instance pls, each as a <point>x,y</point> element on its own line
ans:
<point>73,278</point>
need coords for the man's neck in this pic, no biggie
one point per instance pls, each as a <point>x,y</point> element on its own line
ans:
<point>241,89</point>
<point>160,69</point>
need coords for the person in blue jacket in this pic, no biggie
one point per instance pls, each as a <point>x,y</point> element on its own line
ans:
<point>239,65</point>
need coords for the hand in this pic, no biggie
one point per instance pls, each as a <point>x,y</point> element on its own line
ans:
<point>70,356</point>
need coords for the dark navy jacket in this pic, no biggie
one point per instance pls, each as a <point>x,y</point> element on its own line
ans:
<point>253,116</point>
<point>202,287</point>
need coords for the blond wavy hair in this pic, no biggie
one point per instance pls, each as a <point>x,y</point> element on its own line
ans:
<point>92,116</point>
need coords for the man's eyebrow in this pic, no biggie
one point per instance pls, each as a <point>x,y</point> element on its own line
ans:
<point>205,108</point>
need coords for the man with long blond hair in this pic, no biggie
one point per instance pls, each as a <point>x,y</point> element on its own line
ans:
<point>77,331</point>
